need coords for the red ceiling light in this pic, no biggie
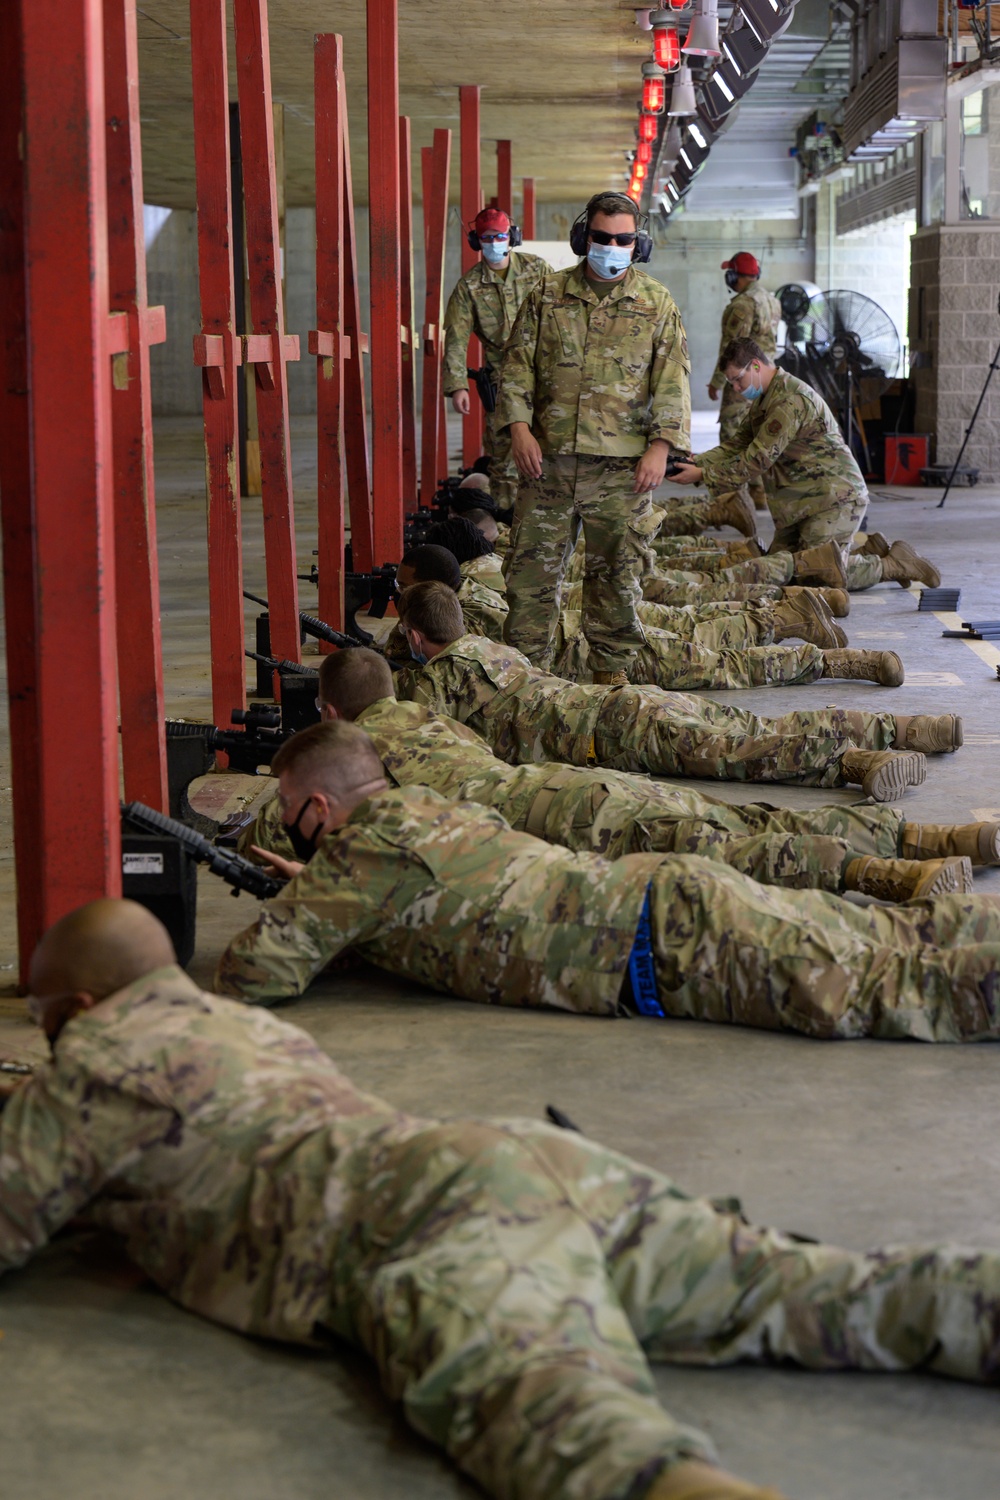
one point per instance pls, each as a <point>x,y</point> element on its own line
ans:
<point>638,171</point>
<point>666,46</point>
<point>654,89</point>
<point>679,4</point>
<point>648,127</point>
<point>644,152</point>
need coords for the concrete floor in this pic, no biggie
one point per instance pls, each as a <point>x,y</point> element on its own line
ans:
<point>112,1392</point>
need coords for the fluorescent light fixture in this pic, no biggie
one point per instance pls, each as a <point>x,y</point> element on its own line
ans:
<point>724,88</point>
<point>699,138</point>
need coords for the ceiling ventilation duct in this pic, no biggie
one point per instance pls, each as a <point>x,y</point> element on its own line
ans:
<point>898,71</point>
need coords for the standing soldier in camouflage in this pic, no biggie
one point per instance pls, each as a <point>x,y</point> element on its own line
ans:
<point>594,391</point>
<point>754,313</point>
<point>526,715</point>
<point>512,1281</point>
<point>874,850</point>
<point>815,491</point>
<point>485,303</point>
<point>446,894</point>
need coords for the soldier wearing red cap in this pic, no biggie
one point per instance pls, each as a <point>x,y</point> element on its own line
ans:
<point>485,303</point>
<point>752,314</point>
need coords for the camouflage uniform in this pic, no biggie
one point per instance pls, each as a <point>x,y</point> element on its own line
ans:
<point>510,1280</point>
<point>597,379</point>
<point>815,490</point>
<point>447,895</point>
<point>526,715</point>
<point>485,303</point>
<point>753,314</point>
<point>611,812</point>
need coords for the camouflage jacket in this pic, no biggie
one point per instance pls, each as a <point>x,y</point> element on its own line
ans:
<point>447,895</point>
<point>753,314</point>
<point>210,1135</point>
<point>524,714</point>
<point>601,376</point>
<point>485,304</point>
<point>790,436</point>
<point>483,610</point>
<point>487,570</point>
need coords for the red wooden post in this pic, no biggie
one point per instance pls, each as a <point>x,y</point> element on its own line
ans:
<point>56,333</point>
<point>218,351</point>
<point>528,208</point>
<point>505,186</point>
<point>268,347</point>
<point>435,236</point>
<point>383,209</point>
<point>426,174</point>
<point>327,340</point>
<point>137,580</point>
<point>471,199</point>
<point>359,485</point>
<point>16,507</point>
<point>409,339</point>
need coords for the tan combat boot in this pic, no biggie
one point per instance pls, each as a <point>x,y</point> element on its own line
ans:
<point>839,602</point>
<point>907,879</point>
<point>823,565</point>
<point>747,551</point>
<point>883,667</point>
<point>873,544</point>
<point>931,733</point>
<point>805,615</point>
<point>611,679</point>
<point>978,842</point>
<point>733,510</point>
<point>902,565</point>
<point>882,774</point>
<point>758,495</point>
<point>690,1480</point>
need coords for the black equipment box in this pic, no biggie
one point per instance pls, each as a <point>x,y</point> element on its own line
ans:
<point>163,877</point>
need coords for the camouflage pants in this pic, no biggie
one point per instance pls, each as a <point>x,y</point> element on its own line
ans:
<point>799,850</point>
<point>578,491</point>
<point>685,666</point>
<point>675,735</point>
<point>670,545</point>
<point>727,950</point>
<point>836,522</point>
<point>503,471</point>
<point>743,580</point>
<point>725,623</point>
<point>513,1281</point>
<point>683,519</point>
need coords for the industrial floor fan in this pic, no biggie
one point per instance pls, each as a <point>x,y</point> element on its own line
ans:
<point>846,347</point>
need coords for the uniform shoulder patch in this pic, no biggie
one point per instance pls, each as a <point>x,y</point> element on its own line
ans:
<point>774,426</point>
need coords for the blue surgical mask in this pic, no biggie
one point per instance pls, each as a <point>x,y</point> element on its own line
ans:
<point>418,657</point>
<point>752,392</point>
<point>609,261</point>
<point>495,251</point>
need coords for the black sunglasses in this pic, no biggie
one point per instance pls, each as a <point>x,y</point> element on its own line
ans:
<point>601,237</point>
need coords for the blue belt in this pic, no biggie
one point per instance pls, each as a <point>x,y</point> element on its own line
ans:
<point>641,973</point>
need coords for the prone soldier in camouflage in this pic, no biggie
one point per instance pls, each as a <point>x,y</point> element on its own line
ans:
<point>446,894</point>
<point>613,813</point>
<point>484,304</point>
<point>594,389</point>
<point>511,1281</point>
<point>754,313</point>
<point>526,715</point>
<point>815,491</point>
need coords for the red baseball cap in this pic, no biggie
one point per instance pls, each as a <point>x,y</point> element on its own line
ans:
<point>744,264</point>
<point>492,221</point>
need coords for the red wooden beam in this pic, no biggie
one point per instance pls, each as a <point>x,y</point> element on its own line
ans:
<point>383,209</point>
<point>137,579</point>
<point>217,350</point>
<point>409,339</point>
<point>327,341</point>
<point>66,594</point>
<point>16,506</point>
<point>359,484</point>
<point>435,189</point>
<point>505,186</point>
<point>471,201</point>
<point>268,347</point>
<point>528,208</point>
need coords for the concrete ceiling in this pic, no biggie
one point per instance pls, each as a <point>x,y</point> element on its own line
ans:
<point>560,80</point>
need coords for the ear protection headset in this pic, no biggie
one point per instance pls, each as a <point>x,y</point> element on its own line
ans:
<point>643,247</point>
<point>516,238</point>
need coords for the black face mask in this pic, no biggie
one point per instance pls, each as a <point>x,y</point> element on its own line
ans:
<point>304,844</point>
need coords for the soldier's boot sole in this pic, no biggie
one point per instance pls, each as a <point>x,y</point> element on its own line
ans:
<point>978,842</point>
<point>883,775</point>
<point>932,734</point>
<point>690,1480</point>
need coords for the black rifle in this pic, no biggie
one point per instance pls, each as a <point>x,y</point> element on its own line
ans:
<point>281,666</point>
<point>248,747</point>
<point>229,866</point>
